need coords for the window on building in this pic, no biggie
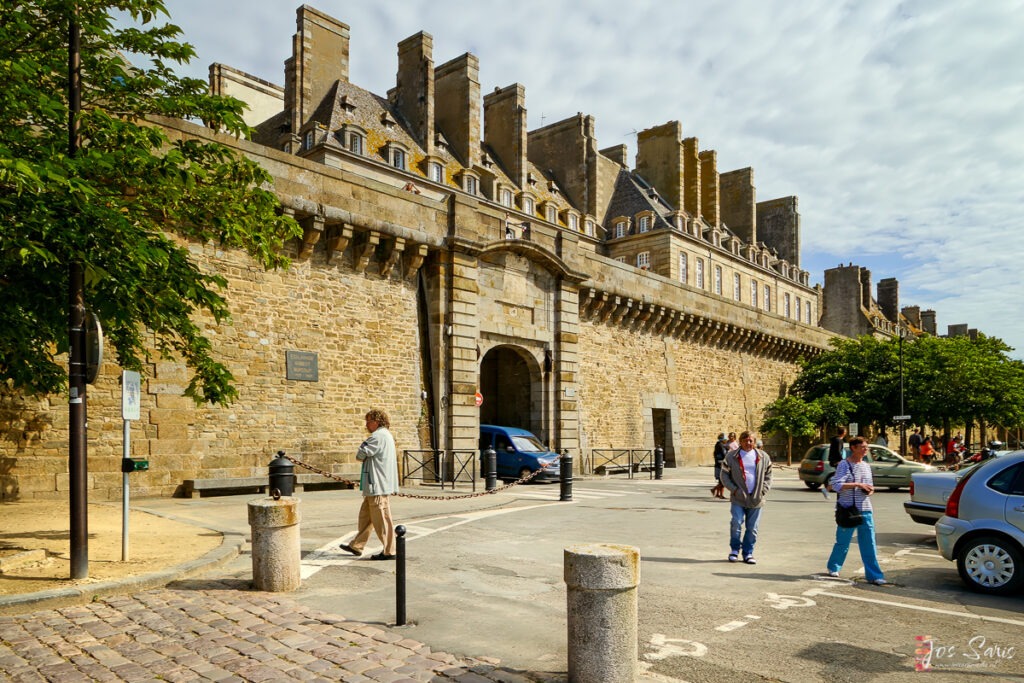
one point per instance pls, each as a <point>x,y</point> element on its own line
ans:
<point>436,172</point>
<point>527,205</point>
<point>643,260</point>
<point>767,298</point>
<point>645,223</point>
<point>552,213</point>
<point>574,222</point>
<point>307,141</point>
<point>785,305</point>
<point>620,229</point>
<point>355,143</point>
<point>698,273</point>
<point>718,280</point>
<point>621,259</point>
<point>807,311</point>
<point>398,158</point>
<point>505,198</point>
<point>737,294</point>
<point>753,293</point>
<point>470,184</point>
<point>589,228</point>
<point>799,313</point>
<point>683,275</point>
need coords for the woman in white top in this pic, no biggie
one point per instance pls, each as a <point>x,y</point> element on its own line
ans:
<point>854,484</point>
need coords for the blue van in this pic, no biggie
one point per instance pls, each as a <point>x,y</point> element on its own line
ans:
<point>519,453</point>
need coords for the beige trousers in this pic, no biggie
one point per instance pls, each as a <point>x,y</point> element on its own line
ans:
<point>375,514</point>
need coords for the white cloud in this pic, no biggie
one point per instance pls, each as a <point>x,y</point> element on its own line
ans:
<point>898,126</point>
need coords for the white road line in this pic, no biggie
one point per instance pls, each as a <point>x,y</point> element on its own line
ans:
<point>329,555</point>
<point>731,626</point>
<point>891,603</point>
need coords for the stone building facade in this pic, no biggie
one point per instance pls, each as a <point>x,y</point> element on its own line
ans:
<point>449,252</point>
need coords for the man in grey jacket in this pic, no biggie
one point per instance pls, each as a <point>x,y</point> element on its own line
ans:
<point>378,480</point>
<point>747,475</point>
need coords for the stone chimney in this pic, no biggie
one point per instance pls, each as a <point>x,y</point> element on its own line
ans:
<point>567,149</point>
<point>414,87</point>
<point>457,106</point>
<point>739,204</point>
<point>889,298</point>
<point>659,160</point>
<point>319,59</point>
<point>865,288</point>
<point>692,192</point>
<point>913,315</point>
<point>505,129</point>
<point>928,322</point>
<point>778,227</point>
<point>710,192</point>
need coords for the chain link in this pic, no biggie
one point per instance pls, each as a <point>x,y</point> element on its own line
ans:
<point>517,482</point>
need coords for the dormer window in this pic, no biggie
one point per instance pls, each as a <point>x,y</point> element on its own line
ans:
<point>572,221</point>
<point>398,158</point>
<point>527,203</point>
<point>470,184</point>
<point>388,121</point>
<point>644,223</point>
<point>397,155</point>
<point>308,139</point>
<point>588,227</point>
<point>505,197</point>
<point>621,227</point>
<point>352,138</point>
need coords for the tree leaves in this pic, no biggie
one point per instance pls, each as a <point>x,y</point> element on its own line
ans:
<point>123,204</point>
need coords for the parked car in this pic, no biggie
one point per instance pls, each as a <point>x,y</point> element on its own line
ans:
<point>929,492</point>
<point>983,528</point>
<point>888,469</point>
<point>520,453</point>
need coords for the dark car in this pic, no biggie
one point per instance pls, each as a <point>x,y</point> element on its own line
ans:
<point>888,468</point>
<point>520,453</point>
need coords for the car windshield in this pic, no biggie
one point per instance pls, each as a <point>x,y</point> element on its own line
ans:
<point>528,444</point>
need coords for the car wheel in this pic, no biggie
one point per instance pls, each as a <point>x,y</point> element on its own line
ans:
<point>525,472</point>
<point>989,564</point>
<point>812,485</point>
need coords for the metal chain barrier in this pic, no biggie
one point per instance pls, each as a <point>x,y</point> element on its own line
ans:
<point>517,482</point>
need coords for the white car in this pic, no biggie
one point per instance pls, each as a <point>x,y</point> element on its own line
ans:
<point>983,528</point>
<point>929,492</point>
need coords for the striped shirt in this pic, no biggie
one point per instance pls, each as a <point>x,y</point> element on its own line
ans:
<point>847,471</point>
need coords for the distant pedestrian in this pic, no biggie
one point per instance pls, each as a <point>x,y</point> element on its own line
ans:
<point>836,447</point>
<point>733,444</point>
<point>915,443</point>
<point>747,474</point>
<point>926,450</point>
<point>378,480</point>
<point>721,450</point>
<point>853,483</point>
<point>882,439</point>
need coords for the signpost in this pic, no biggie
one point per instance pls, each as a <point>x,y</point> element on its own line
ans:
<point>131,392</point>
<point>478,399</point>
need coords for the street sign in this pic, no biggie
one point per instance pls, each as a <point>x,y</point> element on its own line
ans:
<point>93,347</point>
<point>131,393</point>
<point>853,430</point>
<point>901,418</point>
<point>478,399</point>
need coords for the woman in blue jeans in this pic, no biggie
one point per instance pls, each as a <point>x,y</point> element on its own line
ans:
<point>854,484</point>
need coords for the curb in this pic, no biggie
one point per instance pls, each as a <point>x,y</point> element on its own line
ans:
<point>230,547</point>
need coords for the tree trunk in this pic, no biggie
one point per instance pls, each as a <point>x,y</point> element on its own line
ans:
<point>789,450</point>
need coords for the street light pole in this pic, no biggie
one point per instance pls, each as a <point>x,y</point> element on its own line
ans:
<point>77,447</point>
<point>903,423</point>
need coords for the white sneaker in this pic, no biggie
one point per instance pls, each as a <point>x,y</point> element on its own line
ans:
<point>824,493</point>
<point>834,575</point>
<point>880,582</point>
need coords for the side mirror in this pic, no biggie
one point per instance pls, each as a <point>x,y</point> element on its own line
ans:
<point>510,449</point>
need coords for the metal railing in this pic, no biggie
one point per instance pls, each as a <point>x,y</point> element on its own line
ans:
<point>440,467</point>
<point>614,460</point>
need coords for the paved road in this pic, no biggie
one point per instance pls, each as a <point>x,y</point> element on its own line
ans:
<point>485,578</point>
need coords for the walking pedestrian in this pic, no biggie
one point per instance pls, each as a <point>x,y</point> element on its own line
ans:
<point>836,447</point>
<point>721,450</point>
<point>378,480</point>
<point>854,484</point>
<point>732,444</point>
<point>926,450</point>
<point>747,474</point>
<point>915,443</point>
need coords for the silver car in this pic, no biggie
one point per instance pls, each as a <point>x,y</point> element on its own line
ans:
<point>983,528</point>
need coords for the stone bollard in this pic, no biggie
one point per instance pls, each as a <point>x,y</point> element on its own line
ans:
<point>602,580</point>
<point>276,550</point>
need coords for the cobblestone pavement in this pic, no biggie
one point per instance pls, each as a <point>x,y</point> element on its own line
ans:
<point>220,631</point>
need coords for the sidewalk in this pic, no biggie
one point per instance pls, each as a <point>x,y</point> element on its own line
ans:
<point>211,625</point>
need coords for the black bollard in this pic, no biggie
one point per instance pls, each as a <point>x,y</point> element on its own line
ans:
<point>659,462</point>
<point>490,469</point>
<point>565,477</point>
<point>400,575</point>
<point>282,476</point>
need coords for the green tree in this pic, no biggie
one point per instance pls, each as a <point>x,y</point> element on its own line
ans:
<point>128,205</point>
<point>793,417</point>
<point>835,410</point>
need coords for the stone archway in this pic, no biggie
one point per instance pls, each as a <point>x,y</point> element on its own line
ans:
<point>510,384</point>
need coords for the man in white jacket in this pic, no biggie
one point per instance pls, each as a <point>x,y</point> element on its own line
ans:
<point>378,480</point>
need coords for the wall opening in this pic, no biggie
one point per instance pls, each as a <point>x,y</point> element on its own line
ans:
<point>661,424</point>
<point>510,386</point>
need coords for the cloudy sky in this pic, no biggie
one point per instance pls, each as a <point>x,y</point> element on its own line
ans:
<point>899,125</point>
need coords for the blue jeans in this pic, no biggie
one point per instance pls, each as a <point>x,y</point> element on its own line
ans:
<point>866,543</point>
<point>748,517</point>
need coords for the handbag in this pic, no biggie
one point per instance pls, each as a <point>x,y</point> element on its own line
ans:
<point>848,517</point>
